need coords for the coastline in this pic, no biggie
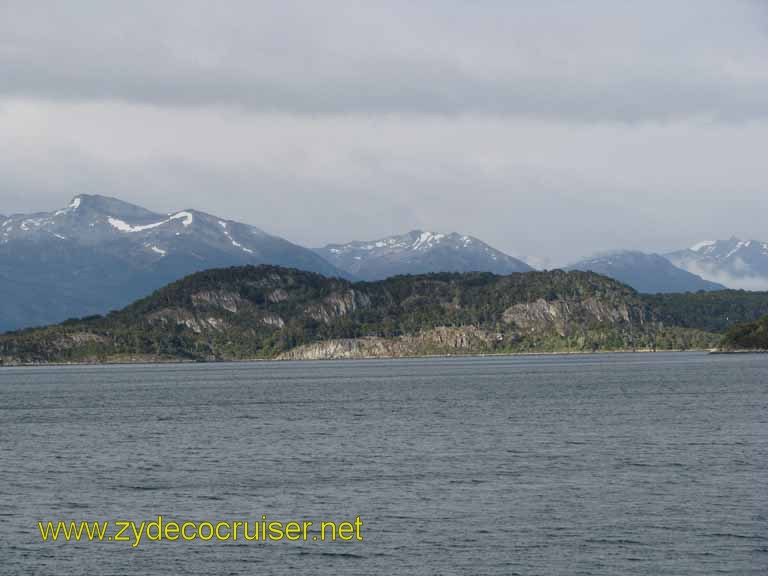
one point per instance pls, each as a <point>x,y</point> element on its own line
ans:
<point>745,351</point>
<point>170,361</point>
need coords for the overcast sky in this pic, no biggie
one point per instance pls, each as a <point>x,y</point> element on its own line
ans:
<point>549,128</point>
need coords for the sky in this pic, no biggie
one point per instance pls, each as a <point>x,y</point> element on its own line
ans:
<point>551,129</point>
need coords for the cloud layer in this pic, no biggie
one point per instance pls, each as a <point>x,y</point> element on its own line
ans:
<point>589,61</point>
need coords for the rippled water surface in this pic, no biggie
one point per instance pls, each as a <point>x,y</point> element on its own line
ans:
<point>610,464</point>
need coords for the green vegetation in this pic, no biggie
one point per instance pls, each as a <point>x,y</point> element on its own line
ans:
<point>265,311</point>
<point>750,336</point>
<point>709,311</point>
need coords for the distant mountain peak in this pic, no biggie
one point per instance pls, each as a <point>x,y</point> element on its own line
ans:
<point>421,240</point>
<point>96,203</point>
<point>419,252</point>
<point>609,254</point>
<point>649,273</point>
<point>735,262</point>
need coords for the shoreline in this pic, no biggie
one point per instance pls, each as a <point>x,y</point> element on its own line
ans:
<point>171,361</point>
<point>745,351</point>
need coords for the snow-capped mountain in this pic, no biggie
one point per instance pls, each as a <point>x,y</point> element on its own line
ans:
<point>100,253</point>
<point>736,263</point>
<point>649,273</point>
<point>419,252</point>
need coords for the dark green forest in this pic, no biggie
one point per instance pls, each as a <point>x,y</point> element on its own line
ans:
<point>709,311</point>
<point>748,336</point>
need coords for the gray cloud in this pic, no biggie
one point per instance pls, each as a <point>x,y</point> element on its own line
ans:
<point>586,61</point>
<point>759,283</point>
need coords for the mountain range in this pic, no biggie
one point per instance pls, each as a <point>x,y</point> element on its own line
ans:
<point>98,254</point>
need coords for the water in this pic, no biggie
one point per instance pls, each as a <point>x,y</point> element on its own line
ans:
<point>610,464</point>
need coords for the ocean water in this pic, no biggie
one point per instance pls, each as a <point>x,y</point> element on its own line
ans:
<point>611,464</point>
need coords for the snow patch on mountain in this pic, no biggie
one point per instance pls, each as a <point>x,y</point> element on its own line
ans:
<point>237,244</point>
<point>125,227</point>
<point>703,244</point>
<point>71,207</point>
<point>234,242</point>
<point>186,218</point>
<point>426,240</point>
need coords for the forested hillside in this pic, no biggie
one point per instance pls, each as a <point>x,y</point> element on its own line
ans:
<point>709,311</point>
<point>750,336</point>
<point>267,311</point>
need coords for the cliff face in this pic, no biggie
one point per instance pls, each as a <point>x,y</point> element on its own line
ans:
<point>558,326</point>
<point>568,317</point>
<point>269,312</point>
<point>442,340</point>
<point>336,305</point>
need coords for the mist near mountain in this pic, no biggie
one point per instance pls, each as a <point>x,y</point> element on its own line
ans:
<point>737,263</point>
<point>648,273</point>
